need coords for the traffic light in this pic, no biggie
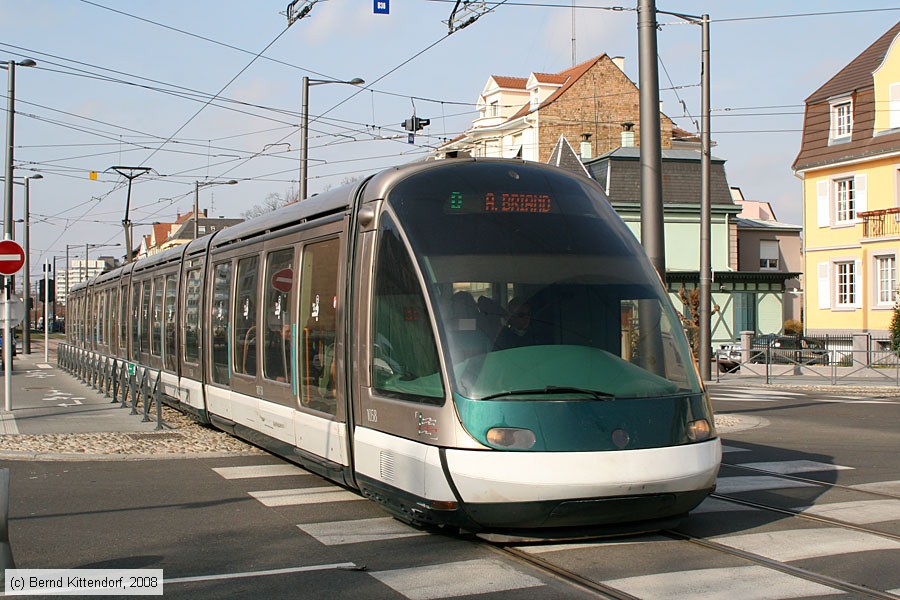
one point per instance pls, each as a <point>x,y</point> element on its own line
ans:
<point>41,290</point>
<point>415,123</point>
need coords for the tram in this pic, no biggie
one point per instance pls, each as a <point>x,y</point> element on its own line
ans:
<point>472,343</point>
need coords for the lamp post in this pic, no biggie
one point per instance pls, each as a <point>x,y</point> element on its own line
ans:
<point>87,248</point>
<point>304,123</point>
<point>10,67</point>
<point>197,186</point>
<point>26,289</point>
<point>705,354</point>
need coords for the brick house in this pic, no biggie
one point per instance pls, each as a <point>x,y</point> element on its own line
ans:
<point>525,116</point>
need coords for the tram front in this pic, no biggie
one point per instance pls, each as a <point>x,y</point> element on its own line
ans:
<point>551,343</point>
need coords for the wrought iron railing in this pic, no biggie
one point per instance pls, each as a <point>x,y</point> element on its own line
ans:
<point>880,223</point>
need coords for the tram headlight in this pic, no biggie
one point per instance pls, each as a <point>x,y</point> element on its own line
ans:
<point>699,430</point>
<point>511,437</point>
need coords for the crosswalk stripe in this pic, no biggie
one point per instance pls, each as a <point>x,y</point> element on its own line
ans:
<point>733,449</point>
<point>643,539</point>
<point>714,505</point>
<point>449,580</point>
<point>337,533</point>
<point>882,487</point>
<point>753,483</point>
<point>756,391</point>
<point>296,497</point>
<point>733,582</point>
<point>860,512</point>
<point>253,471</point>
<point>799,544</point>
<point>738,398</point>
<point>787,467</point>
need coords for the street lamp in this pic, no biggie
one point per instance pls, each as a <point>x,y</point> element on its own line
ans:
<point>26,295</point>
<point>10,66</point>
<point>304,124</point>
<point>197,186</point>
<point>87,247</point>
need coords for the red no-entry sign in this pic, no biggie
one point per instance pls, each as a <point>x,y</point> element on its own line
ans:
<point>12,257</point>
<point>283,280</point>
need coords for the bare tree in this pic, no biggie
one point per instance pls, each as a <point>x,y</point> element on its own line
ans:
<point>273,201</point>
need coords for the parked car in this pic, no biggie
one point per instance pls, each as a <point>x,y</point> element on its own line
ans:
<point>728,357</point>
<point>789,350</point>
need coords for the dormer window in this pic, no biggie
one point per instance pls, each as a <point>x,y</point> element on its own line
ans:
<point>841,120</point>
<point>494,109</point>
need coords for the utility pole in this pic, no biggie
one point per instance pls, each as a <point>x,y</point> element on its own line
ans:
<point>129,173</point>
<point>652,222</point>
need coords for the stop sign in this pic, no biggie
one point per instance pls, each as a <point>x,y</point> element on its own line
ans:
<point>12,257</point>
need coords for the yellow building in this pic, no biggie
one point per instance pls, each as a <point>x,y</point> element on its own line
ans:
<point>849,162</point>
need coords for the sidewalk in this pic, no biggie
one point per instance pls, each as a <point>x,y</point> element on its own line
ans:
<point>47,400</point>
<point>56,417</point>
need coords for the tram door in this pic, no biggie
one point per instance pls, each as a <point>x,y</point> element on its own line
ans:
<point>321,421</point>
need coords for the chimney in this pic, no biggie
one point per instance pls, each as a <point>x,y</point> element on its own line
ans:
<point>586,150</point>
<point>628,135</point>
<point>619,61</point>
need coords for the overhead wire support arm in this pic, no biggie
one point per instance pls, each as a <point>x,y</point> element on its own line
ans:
<point>466,12</point>
<point>298,9</point>
<point>129,173</point>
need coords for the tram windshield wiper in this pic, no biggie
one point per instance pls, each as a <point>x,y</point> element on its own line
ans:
<point>552,389</point>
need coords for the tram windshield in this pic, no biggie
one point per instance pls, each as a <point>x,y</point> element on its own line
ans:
<point>539,290</point>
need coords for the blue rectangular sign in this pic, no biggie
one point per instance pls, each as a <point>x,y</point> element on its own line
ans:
<point>382,7</point>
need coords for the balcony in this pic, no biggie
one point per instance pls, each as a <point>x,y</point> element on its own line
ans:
<point>881,223</point>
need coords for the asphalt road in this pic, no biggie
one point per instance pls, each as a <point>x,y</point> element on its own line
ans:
<point>253,526</point>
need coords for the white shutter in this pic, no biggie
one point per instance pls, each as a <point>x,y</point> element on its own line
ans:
<point>861,195</point>
<point>857,287</point>
<point>822,204</point>
<point>824,285</point>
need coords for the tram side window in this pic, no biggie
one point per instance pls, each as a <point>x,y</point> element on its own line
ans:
<point>123,318</point>
<point>219,322</point>
<point>156,313</point>
<point>192,317</point>
<point>135,319</point>
<point>404,352</point>
<point>113,316</point>
<point>170,357</point>
<point>145,317</point>
<point>279,284</point>
<point>99,304</point>
<point>245,302</point>
<point>318,308</point>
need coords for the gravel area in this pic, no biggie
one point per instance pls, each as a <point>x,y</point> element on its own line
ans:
<point>186,438</point>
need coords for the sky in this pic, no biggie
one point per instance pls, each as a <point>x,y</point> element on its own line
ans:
<point>211,91</point>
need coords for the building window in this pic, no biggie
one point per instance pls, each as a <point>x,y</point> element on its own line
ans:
<point>841,120</point>
<point>845,199</point>
<point>886,269</point>
<point>494,109</point>
<point>768,255</point>
<point>744,311</point>
<point>846,283</point>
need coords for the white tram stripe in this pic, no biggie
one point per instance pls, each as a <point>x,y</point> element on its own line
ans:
<point>466,578</point>
<point>724,584</point>
<point>753,483</point>
<point>254,471</point>
<point>860,512</point>
<point>882,487</point>
<point>295,497</point>
<point>799,544</point>
<point>337,533</point>
<point>787,467</point>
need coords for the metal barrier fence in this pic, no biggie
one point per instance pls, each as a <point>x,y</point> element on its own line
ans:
<point>117,379</point>
<point>811,366</point>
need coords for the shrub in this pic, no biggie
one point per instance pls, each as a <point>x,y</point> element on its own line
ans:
<point>793,327</point>
<point>895,330</point>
